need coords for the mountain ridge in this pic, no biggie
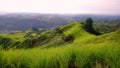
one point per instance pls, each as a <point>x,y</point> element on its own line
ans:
<point>22,21</point>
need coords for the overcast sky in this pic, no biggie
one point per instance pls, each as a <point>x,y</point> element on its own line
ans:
<point>61,6</point>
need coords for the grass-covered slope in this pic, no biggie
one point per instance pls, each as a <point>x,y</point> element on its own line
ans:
<point>64,35</point>
<point>70,46</point>
<point>71,33</point>
<point>9,40</point>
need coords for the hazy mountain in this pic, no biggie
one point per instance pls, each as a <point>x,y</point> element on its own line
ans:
<point>22,21</point>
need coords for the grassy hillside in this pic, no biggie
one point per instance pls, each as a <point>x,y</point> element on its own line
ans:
<point>68,46</point>
<point>45,39</point>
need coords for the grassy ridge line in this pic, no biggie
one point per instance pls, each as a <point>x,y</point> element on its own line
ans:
<point>73,29</point>
<point>52,38</point>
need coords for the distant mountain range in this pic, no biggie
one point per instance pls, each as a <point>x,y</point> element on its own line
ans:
<point>23,21</point>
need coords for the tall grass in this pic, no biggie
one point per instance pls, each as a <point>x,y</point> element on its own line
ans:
<point>0,56</point>
<point>90,56</point>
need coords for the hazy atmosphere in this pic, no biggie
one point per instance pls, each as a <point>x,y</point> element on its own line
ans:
<point>59,34</point>
<point>61,6</point>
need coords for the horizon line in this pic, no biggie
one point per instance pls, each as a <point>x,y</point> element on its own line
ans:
<point>4,13</point>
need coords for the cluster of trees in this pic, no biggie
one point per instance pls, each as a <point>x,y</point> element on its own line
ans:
<point>106,28</point>
<point>99,29</point>
<point>88,25</point>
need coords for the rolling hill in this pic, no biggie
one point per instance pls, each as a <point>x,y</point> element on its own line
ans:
<point>68,46</point>
<point>69,34</point>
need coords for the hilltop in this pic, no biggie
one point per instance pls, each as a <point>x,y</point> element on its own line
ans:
<point>73,33</point>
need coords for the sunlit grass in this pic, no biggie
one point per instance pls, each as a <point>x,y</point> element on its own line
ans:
<point>60,57</point>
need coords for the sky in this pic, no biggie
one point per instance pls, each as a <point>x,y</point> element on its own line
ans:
<point>61,6</point>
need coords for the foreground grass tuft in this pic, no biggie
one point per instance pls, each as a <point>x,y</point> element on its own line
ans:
<point>91,56</point>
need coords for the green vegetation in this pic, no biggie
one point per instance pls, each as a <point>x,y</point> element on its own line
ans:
<point>89,27</point>
<point>69,46</point>
<point>89,56</point>
<point>106,28</point>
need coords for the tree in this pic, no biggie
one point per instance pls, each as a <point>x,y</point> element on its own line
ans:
<point>89,26</point>
<point>29,35</point>
<point>35,30</point>
<point>89,21</point>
